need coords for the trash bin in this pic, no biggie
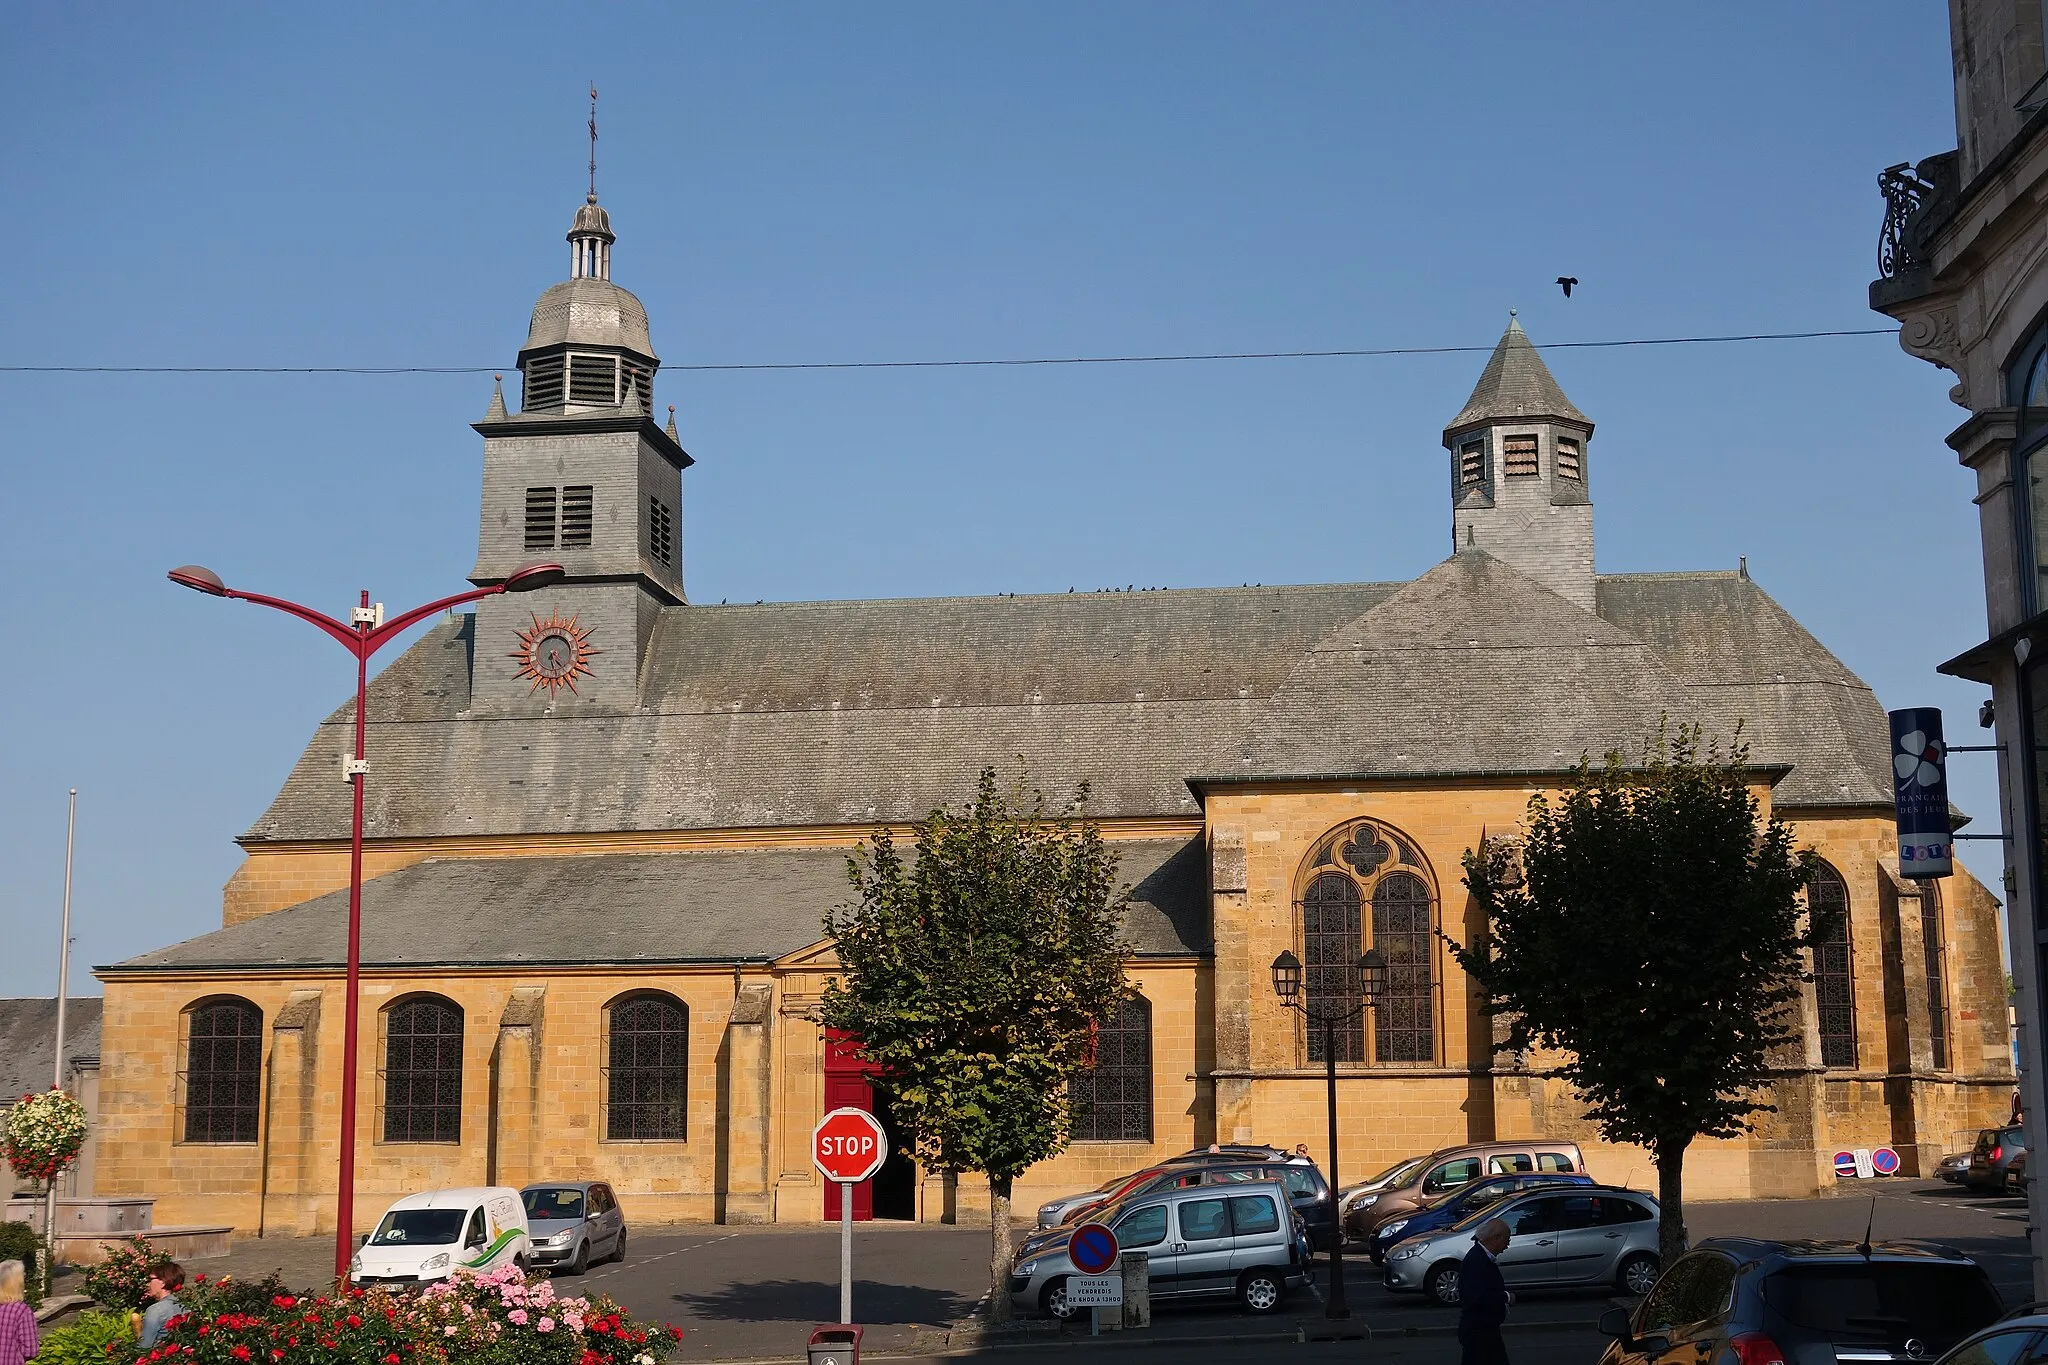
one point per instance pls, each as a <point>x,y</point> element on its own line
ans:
<point>838,1344</point>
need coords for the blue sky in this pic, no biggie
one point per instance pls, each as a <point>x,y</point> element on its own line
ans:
<point>389,185</point>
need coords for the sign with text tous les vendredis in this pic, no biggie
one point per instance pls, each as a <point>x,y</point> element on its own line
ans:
<point>1920,793</point>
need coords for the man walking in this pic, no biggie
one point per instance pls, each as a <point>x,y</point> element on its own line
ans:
<point>1483,1297</point>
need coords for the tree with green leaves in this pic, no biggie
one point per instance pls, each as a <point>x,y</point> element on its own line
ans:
<point>973,974</point>
<point>1651,927</point>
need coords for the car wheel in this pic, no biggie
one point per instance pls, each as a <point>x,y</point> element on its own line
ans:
<point>1442,1284</point>
<point>1638,1274</point>
<point>1053,1302</point>
<point>582,1261</point>
<point>619,1251</point>
<point>1261,1291</point>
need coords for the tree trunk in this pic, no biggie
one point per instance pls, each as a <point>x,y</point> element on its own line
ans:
<point>1671,1198</point>
<point>1001,1251</point>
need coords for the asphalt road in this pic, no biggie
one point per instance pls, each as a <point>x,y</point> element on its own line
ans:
<point>755,1292</point>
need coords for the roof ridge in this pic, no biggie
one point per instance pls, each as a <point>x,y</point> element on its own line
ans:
<point>1073,593</point>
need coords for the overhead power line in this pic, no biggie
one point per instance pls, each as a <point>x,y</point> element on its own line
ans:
<point>961,364</point>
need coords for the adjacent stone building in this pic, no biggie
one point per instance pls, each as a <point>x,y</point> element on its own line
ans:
<point>1963,266</point>
<point>605,823</point>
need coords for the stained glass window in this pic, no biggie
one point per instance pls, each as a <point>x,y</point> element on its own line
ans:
<point>1113,1097</point>
<point>1331,941</point>
<point>648,1072</point>
<point>1405,1017</point>
<point>423,1071</point>
<point>223,1071</point>
<point>1834,992</point>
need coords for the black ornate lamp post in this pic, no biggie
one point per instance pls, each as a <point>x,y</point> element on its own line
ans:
<point>1372,984</point>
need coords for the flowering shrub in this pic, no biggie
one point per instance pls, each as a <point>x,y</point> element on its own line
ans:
<point>44,1134</point>
<point>504,1317</point>
<point>118,1281</point>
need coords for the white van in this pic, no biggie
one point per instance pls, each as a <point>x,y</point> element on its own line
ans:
<point>425,1237</point>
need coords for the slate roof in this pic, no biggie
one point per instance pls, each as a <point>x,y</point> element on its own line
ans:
<point>1516,383</point>
<point>28,1040</point>
<point>630,909</point>
<point>842,713</point>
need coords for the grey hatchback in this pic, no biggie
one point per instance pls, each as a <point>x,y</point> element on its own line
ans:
<point>572,1223</point>
<point>1564,1236</point>
<point>1746,1302</point>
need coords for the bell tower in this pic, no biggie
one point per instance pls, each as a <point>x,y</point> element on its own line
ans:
<point>1519,471</point>
<point>581,475</point>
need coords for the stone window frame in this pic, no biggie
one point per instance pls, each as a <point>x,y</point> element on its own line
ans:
<point>1851,1038</point>
<point>1126,1069</point>
<point>462,1069</point>
<point>1510,456</point>
<point>605,1067</point>
<point>1326,856</point>
<point>1576,445</point>
<point>2025,374</point>
<point>181,1114</point>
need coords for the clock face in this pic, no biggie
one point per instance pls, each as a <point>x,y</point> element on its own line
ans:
<point>554,653</point>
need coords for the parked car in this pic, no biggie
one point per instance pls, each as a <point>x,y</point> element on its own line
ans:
<point>1307,1191</point>
<point>425,1237</point>
<point>1807,1303</point>
<point>2014,1337</point>
<point>1447,1209</point>
<point>1991,1159</point>
<point>1396,1174</point>
<point>2016,1172</point>
<point>1202,1241</point>
<point>1230,1151</point>
<point>1054,1212</point>
<point>1452,1169</point>
<point>572,1223</point>
<point>1595,1235</point>
<point>1952,1167</point>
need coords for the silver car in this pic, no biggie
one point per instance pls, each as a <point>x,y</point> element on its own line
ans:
<point>572,1223</point>
<point>1588,1236</point>
<point>1240,1241</point>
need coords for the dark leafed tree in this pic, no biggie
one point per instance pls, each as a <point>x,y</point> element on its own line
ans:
<point>1650,927</point>
<point>973,973</point>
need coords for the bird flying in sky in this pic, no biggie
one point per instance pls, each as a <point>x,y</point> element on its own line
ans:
<point>1565,282</point>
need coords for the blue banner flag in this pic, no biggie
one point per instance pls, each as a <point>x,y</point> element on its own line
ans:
<point>1920,793</point>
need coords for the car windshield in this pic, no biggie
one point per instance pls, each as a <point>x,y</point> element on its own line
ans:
<point>419,1227</point>
<point>553,1204</point>
<point>1887,1301</point>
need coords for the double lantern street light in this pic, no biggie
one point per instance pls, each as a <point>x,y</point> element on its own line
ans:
<point>363,634</point>
<point>1371,979</point>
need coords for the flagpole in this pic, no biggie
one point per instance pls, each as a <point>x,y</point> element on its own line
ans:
<point>57,1066</point>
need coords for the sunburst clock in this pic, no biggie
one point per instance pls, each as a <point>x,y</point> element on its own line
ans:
<point>554,652</point>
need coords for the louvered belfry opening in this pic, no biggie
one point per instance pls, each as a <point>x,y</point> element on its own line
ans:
<point>593,380</point>
<point>540,519</point>
<point>543,384</point>
<point>576,505</point>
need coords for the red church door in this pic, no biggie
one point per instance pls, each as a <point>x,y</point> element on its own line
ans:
<point>846,1087</point>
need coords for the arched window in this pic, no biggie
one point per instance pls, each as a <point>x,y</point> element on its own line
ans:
<point>1405,1020</point>
<point>1331,941</point>
<point>647,1069</point>
<point>223,1071</point>
<point>423,1070</point>
<point>1934,948</point>
<point>2026,391</point>
<point>1834,977</point>
<point>1113,1097</point>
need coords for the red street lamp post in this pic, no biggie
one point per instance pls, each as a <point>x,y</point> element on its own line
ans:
<point>362,635</point>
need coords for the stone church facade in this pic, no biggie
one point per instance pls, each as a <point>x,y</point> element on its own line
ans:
<point>604,824</point>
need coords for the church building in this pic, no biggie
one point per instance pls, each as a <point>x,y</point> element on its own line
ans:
<point>605,822</point>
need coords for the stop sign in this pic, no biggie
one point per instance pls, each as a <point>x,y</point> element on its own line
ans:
<point>849,1144</point>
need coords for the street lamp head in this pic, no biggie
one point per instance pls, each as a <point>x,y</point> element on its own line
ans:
<point>1372,974</point>
<point>199,580</point>
<point>527,577</point>
<point>1287,976</point>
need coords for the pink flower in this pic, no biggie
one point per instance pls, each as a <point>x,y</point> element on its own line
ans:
<point>518,1315</point>
<point>546,1324</point>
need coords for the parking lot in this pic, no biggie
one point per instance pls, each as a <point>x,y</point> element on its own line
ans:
<point>755,1292</point>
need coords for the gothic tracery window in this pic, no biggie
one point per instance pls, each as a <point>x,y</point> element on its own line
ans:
<point>1834,993</point>
<point>1366,865</point>
<point>1113,1097</point>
